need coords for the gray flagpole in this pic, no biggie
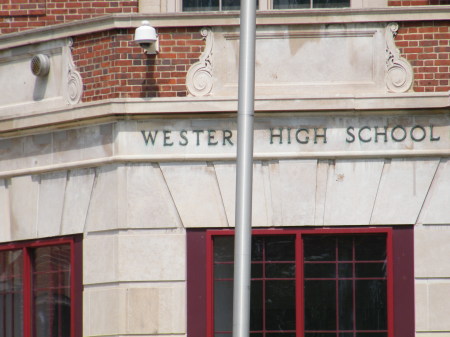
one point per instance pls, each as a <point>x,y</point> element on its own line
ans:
<point>244,170</point>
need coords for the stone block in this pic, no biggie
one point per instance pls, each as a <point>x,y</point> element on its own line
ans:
<point>436,210</point>
<point>298,181</point>
<point>149,256</point>
<point>24,192</point>
<point>149,203</point>
<point>107,308</point>
<point>351,192</point>
<point>421,305</point>
<point>402,191</point>
<point>155,311</point>
<point>264,211</point>
<point>76,200</point>
<point>439,305</point>
<point>432,251</point>
<point>196,194</point>
<point>104,208</point>
<point>100,258</point>
<point>51,202</point>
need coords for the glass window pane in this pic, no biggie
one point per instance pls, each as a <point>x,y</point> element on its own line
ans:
<point>291,4</point>
<point>281,334</point>
<point>51,290</point>
<point>319,248</point>
<point>223,305</point>
<point>223,270</point>
<point>231,5</point>
<point>280,270</point>
<point>320,334</point>
<point>11,298</point>
<point>345,270</point>
<point>320,270</point>
<point>345,297</point>
<point>257,248</point>
<point>200,5</point>
<point>370,270</point>
<point>371,305</point>
<point>281,248</point>
<point>280,305</point>
<point>370,248</point>
<point>257,270</point>
<point>345,248</point>
<point>330,3</point>
<point>320,305</point>
<point>223,249</point>
<point>371,334</point>
<point>256,306</point>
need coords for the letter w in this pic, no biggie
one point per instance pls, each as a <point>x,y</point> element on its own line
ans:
<point>150,137</point>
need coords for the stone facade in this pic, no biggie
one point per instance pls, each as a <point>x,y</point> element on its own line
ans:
<point>132,150</point>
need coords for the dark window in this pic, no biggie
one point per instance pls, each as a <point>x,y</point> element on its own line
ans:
<point>40,289</point>
<point>232,5</point>
<point>307,283</point>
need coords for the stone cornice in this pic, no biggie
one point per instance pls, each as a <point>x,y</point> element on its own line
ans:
<point>309,16</point>
<point>21,123</point>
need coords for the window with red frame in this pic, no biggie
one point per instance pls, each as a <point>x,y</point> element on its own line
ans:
<point>40,288</point>
<point>307,283</point>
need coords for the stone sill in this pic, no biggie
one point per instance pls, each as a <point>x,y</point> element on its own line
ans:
<point>21,121</point>
<point>284,17</point>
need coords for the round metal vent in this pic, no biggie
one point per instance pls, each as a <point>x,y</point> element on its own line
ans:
<point>40,65</point>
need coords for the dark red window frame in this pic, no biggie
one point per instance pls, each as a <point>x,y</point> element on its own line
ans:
<point>75,243</point>
<point>400,251</point>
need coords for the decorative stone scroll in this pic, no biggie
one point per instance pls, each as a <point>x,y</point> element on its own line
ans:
<point>199,79</point>
<point>399,73</point>
<point>74,84</point>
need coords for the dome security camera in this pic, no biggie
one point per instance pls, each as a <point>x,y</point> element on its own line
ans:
<point>146,37</point>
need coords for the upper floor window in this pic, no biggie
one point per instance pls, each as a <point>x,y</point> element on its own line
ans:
<point>230,5</point>
<point>40,288</point>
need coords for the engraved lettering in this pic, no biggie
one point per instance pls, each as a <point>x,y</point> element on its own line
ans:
<point>184,138</point>
<point>393,133</point>
<point>413,133</point>
<point>350,133</point>
<point>227,134</point>
<point>211,135</point>
<point>280,135</point>
<point>365,140</point>
<point>297,134</point>
<point>432,138</point>
<point>149,136</point>
<point>198,132</point>
<point>167,134</point>
<point>324,136</point>
<point>377,133</point>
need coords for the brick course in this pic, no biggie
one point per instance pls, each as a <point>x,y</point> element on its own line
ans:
<point>426,45</point>
<point>112,66</point>
<point>20,15</point>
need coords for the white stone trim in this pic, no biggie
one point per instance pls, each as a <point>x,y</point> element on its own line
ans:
<point>25,120</point>
<point>121,159</point>
<point>309,16</point>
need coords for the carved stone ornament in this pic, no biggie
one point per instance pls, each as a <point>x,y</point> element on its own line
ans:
<point>199,79</point>
<point>399,73</point>
<point>74,84</point>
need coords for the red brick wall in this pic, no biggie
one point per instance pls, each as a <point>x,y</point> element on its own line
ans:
<point>112,66</point>
<point>426,45</point>
<point>20,15</point>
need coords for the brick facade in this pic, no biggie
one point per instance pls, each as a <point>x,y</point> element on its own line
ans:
<point>426,45</point>
<point>112,66</point>
<point>20,15</point>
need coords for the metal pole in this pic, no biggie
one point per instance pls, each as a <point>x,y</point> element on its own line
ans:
<point>244,170</point>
